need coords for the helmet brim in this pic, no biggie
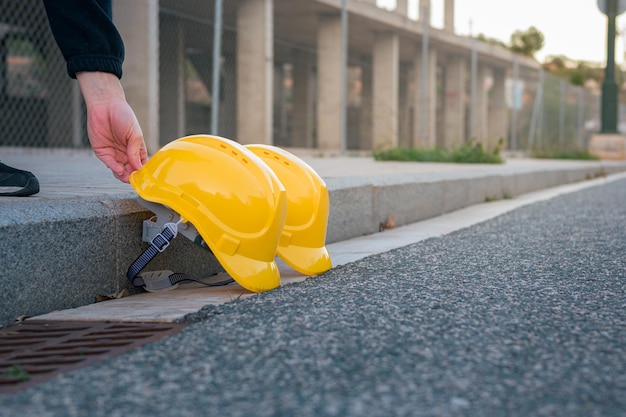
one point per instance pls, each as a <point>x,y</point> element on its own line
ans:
<point>251,274</point>
<point>307,261</point>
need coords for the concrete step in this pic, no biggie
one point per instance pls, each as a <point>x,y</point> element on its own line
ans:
<point>76,239</point>
<point>189,298</point>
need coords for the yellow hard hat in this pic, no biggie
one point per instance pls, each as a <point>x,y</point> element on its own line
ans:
<point>303,237</point>
<point>233,199</point>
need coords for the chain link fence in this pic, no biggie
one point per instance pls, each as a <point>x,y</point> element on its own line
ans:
<point>40,106</point>
<point>552,115</point>
<point>186,44</point>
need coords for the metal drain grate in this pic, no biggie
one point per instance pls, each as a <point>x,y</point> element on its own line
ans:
<point>33,351</point>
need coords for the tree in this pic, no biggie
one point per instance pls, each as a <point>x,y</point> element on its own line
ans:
<point>576,72</point>
<point>492,41</point>
<point>527,42</point>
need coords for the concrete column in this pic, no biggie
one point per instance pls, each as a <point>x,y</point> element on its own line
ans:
<point>402,7</point>
<point>430,105</point>
<point>172,80</point>
<point>138,23</point>
<point>329,82</point>
<point>456,75</point>
<point>385,105</point>
<point>498,112</point>
<point>448,19</point>
<point>303,111</point>
<point>255,71</point>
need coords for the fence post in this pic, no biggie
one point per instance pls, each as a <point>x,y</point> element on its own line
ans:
<point>473,87</point>
<point>77,117</point>
<point>580,118</point>
<point>537,107</point>
<point>424,75</point>
<point>540,122</point>
<point>514,111</point>
<point>344,75</point>
<point>217,64</point>
<point>561,137</point>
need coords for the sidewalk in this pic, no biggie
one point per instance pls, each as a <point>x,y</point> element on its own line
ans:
<point>67,173</point>
<point>76,238</point>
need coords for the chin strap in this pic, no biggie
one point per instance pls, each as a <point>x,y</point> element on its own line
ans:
<point>157,245</point>
<point>164,280</point>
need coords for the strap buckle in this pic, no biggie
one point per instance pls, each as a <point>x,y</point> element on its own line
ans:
<point>163,239</point>
<point>157,245</point>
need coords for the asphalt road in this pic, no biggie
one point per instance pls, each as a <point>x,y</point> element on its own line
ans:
<point>523,315</point>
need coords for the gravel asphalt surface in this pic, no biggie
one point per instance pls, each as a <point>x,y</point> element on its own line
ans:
<point>523,315</point>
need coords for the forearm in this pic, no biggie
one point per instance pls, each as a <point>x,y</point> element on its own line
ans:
<point>86,35</point>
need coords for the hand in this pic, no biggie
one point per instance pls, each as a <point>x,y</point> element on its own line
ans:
<point>112,127</point>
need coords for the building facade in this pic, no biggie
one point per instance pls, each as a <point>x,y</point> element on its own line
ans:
<point>281,76</point>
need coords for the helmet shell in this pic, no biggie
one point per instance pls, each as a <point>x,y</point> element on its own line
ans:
<point>302,243</point>
<point>233,199</point>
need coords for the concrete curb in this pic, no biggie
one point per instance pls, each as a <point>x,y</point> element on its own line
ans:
<point>70,250</point>
<point>414,197</point>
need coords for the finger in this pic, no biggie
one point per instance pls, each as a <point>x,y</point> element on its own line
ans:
<point>124,177</point>
<point>116,167</point>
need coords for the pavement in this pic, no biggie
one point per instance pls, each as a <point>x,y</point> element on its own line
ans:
<point>75,239</point>
<point>513,307</point>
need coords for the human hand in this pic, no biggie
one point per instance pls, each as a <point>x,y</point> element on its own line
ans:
<point>113,129</point>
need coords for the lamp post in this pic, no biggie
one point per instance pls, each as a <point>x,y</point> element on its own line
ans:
<point>609,86</point>
<point>609,143</point>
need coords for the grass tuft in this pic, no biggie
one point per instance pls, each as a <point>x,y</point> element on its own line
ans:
<point>16,372</point>
<point>469,153</point>
<point>583,155</point>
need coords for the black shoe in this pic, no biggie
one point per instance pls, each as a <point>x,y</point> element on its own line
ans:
<point>15,182</point>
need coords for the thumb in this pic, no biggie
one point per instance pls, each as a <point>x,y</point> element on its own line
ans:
<point>136,156</point>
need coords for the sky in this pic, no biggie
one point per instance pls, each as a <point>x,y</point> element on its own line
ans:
<point>574,28</point>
